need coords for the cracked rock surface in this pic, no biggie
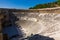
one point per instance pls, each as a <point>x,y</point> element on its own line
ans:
<point>47,24</point>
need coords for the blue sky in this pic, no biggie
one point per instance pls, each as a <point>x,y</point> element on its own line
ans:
<point>21,4</point>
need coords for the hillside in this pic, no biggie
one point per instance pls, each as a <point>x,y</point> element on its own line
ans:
<point>46,5</point>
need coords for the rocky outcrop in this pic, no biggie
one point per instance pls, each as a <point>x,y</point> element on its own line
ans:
<point>44,23</point>
<point>40,21</point>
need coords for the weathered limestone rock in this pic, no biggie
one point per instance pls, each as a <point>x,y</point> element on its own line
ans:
<point>47,24</point>
<point>40,21</point>
<point>44,23</point>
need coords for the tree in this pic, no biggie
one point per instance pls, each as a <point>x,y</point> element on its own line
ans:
<point>46,5</point>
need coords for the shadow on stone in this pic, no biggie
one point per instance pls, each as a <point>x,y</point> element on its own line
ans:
<point>39,37</point>
<point>11,31</point>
